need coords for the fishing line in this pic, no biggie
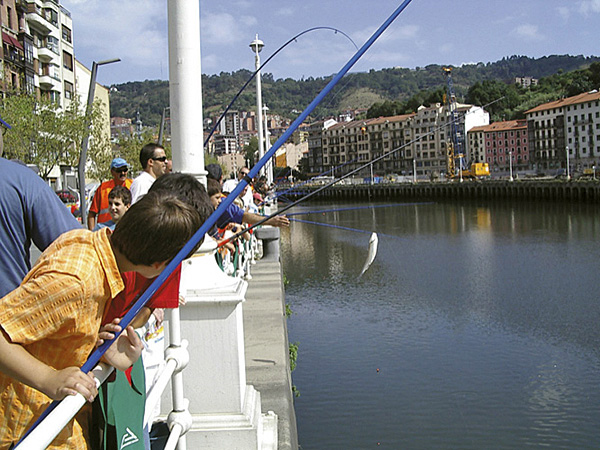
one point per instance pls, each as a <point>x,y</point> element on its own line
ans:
<point>357,208</point>
<point>341,227</point>
<point>208,224</point>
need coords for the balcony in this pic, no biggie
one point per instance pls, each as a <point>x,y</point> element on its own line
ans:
<point>39,23</point>
<point>46,54</point>
<point>49,83</point>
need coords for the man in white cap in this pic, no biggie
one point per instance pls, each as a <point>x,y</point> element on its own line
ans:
<point>99,211</point>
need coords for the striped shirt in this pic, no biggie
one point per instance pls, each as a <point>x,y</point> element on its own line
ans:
<point>55,314</point>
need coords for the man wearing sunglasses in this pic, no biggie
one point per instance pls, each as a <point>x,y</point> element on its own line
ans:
<point>99,209</point>
<point>154,162</point>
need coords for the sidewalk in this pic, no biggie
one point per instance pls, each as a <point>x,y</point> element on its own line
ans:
<point>266,346</point>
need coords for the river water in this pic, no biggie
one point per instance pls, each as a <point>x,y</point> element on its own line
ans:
<point>477,326</point>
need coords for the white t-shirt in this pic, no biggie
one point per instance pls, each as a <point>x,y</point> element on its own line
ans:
<point>230,185</point>
<point>141,186</point>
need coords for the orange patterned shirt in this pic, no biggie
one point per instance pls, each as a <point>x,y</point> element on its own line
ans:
<point>55,314</point>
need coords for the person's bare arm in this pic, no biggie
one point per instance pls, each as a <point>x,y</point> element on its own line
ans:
<point>91,220</point>
<point>18,363</point>
<point>107,332</point>
<point>125,350</point>
<point>276,221</point>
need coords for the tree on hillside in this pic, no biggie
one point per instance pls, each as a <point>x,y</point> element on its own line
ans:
<point>251,151</point>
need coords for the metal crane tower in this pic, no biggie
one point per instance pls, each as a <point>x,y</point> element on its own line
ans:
<point>454,152</point>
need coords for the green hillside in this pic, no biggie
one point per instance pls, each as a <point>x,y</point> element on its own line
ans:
<point>399,87</point>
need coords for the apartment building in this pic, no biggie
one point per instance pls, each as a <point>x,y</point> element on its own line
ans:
<point>496,143</point>
<point>37,49</point>
<point>120,127</point>
<point>398,144</point>
<point>567,125</point>
<point>315,145</point>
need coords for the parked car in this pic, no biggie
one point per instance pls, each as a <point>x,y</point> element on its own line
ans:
<point>66,196</point>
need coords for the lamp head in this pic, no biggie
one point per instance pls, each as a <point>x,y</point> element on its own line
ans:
<point>256,45</point>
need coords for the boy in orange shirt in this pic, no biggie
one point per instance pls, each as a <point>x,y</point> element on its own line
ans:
<point>49,325</point>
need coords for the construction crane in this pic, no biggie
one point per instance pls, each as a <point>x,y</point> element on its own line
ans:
<point>456,165</point>
<point>455,160</point>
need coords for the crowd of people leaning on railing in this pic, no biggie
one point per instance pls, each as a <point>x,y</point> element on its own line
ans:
<point>54,314</point>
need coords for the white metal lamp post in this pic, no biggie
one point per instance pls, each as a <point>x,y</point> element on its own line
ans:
<point>269,164</point>
<point>568,172</point>
<point>414,170</point>
<point>256,45</point>
<point>510,165</point>
<point>86,137</point>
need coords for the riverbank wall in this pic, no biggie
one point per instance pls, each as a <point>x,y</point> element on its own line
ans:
<point>267,348</point>
<point>552,190</point>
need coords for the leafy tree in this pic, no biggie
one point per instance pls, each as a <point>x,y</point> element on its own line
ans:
<point>129,148</point>
<point>46,136</point>
<point>251,151</point>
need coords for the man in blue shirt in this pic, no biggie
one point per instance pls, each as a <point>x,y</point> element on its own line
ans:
<point>29,212</point>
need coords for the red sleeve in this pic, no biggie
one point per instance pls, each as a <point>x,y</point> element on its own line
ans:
<point>167,295</point>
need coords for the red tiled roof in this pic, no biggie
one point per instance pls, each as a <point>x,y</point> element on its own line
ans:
<point>576,99</point>
<point>501,126</point>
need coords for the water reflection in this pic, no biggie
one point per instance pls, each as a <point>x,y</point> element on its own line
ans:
<point>485,317</point>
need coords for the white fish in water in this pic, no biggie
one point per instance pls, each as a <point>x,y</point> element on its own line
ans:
<point>373,241</point>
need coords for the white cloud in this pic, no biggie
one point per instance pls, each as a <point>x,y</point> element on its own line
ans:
<point>135,31</point>
<point>564,12</point>
<point>285,12</point>
<point>587,7</point>
<point>225,29</point>
<point>529,31</point>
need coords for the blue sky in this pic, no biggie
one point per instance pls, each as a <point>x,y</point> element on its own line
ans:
<point>427,32</point>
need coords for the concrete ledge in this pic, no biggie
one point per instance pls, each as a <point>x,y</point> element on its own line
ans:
<point>270,238</point>
<point>267,348</point>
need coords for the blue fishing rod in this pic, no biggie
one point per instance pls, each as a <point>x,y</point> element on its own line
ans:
<point>95,357</point>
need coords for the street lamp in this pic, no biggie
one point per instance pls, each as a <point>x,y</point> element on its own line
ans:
<point>414,170</point>
<point>568,172</point>
<point>269,165</point>
<point>257,45</point>
<point>86,137</point>
<point>510,165</point>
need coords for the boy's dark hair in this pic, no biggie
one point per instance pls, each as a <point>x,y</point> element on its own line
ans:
<point>155,229</point>
<point>120,192</point>
<point>187,189</point>
<point>147,152</point>
<point>213,187</point>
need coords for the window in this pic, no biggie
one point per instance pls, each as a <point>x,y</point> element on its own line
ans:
<point>52,44</point>
<point>66,34</point>
<point>28,52</point>
<point>67,61</point>
<point>9,17</point>
<point>68,90</point>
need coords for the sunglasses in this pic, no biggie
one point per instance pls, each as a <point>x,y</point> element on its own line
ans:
<point>121,170</point>
<point>161,159</point>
